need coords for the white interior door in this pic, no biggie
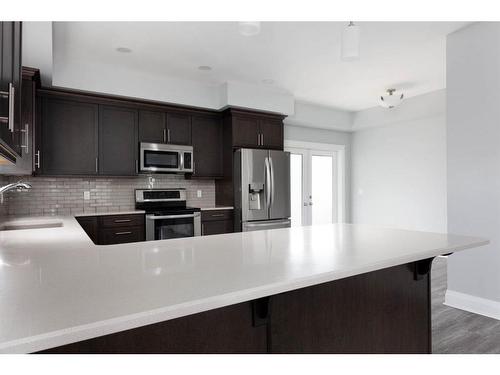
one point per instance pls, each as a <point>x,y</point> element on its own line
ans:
<point>314,181</point>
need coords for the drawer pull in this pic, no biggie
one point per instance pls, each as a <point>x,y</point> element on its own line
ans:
<point>122,220</point>
<point>122,233</point>
<point>217,215</point>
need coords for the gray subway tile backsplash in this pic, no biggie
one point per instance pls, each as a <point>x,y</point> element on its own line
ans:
<point>64,195</point>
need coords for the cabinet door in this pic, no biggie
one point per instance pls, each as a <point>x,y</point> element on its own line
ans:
<point>178,129</point>
<point>207,147</point>
<point>272,133</point>
<point>69,137</point>
<point>245,131</point>
<point>216,227</point>
<point>152,126</point>
<point>117,141</point>
<point>10,73</point>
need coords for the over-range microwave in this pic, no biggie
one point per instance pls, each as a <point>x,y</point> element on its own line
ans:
<point>160,157</point>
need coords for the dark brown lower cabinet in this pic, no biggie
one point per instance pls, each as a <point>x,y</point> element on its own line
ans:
<point>216,222</point>
<point>385,311</point>
<point>113,229</point>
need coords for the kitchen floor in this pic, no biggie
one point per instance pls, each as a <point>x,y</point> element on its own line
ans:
<point>456,331</point>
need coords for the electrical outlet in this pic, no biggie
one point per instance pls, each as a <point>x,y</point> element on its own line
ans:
<point>86,195</point>
<point>198,193</point>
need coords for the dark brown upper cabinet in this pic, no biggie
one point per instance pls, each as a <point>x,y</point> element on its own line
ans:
<point>256,130</point>
<point>10,88</point>
<point>178,129</point>
<point>207,147</point>
<point>68,137</point>
<point>118,150</point>
<point>152,126</point>
<point>161,127</point>
<point>246,131</point>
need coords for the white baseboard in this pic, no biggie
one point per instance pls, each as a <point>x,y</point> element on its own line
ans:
<point>476,305</point>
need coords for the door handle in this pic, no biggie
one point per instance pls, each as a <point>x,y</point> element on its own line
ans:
<point>26,131</point>
<point>271,167</point>
<point>268,182</point>
<point>153,217</point>
<point>10,118</point>
<point>37,160</point>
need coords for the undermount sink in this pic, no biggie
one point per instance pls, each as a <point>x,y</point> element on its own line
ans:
<point>31,224</point>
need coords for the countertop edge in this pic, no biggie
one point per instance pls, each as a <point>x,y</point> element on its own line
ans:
<point>123,323</point>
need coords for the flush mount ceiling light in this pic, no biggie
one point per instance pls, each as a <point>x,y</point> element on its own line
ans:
<point>249,28</point>
<point>349,47</point>
<point>123,49</point>
<point>391,99</point>
<point>205,68</point>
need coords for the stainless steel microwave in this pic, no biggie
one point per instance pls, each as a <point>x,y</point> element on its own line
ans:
<point>160,157</point>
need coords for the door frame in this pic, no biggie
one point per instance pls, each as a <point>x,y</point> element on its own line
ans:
<point>339,172</point>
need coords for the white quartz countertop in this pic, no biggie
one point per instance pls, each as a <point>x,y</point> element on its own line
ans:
<point>57,287</point>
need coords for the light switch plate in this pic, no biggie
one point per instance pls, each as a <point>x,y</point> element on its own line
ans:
<point>198,193</point>
<point>86,195</point>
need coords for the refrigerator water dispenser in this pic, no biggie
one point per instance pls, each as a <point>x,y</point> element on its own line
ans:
<point>255,190</point>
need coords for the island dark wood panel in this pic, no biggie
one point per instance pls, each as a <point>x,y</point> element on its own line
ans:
<point>385,311</point>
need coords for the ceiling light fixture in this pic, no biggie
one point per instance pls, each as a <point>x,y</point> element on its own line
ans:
<point>349,47</point>
<point>123,49</point>
<point>249,28</point>
<point>391,99</point>
<point>205,68</point>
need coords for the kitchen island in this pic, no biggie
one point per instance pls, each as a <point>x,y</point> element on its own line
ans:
<point>337,288</point>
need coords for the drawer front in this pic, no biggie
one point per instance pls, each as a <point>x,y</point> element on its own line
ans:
<point>216,215</point>
<point>109,236</point>
<point>113,221</point>
<point>216,227</point>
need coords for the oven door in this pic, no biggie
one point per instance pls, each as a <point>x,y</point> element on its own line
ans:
<point>172,226</point>
<point>157,160</point>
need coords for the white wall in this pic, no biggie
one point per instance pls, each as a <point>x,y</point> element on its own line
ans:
<point>399,169</point>
<point>37,48</point>
<point>473,131</point>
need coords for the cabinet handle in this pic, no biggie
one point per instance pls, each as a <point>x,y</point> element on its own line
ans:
<point>136,166</point>
<point>96,164</point>
<point>164,135</point>
<point>202,229</point>
<point>122,220</point>
<point>9,94</point>
<point>122,233</point>
<point>217,215</point>
<point>168,135</point>
<point>262,139</point>
<point>258,139</point>
<point>26,131</point>
<point>37,160</point>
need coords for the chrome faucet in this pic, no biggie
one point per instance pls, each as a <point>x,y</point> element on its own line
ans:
<point>19,186</point>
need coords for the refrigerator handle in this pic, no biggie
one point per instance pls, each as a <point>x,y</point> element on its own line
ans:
<point>268,183</point>
<point>271,167</point>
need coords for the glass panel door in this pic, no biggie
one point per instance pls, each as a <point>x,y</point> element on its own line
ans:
<point>322,189</point>
<point>313,180</point>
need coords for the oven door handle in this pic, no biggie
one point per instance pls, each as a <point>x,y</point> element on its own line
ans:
<point>154,217</point>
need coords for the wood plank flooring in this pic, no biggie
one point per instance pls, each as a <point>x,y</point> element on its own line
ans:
<point>456,331</point>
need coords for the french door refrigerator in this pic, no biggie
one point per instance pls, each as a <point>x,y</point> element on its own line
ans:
<point>261,189</point>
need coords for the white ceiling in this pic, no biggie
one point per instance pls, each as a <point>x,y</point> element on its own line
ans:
<point>301,57</point>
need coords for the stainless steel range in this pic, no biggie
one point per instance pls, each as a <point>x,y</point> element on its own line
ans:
<point>167,215</point>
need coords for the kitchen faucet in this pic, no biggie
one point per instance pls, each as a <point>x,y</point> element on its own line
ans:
<point>19,186</point>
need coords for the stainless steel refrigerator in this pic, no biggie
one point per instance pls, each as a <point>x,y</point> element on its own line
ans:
<point>261,189</point>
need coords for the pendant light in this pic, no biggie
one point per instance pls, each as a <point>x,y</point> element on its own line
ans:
<point>349,49</point>
<point>391,99</point>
